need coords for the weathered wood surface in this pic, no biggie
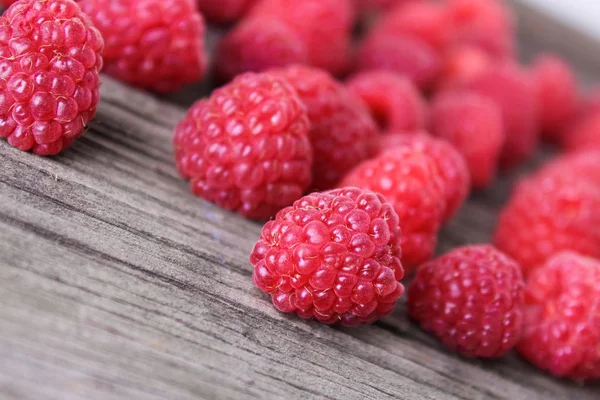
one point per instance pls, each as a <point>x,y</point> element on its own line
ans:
<point>117,283</point>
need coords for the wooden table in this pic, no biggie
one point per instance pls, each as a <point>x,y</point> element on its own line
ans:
<point>117,283</point>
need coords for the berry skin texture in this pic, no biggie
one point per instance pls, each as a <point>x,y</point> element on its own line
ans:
<point>556,90</point>
<point>332,256</point>
<point>224,11</point>
<point>450,163</point>
<point>583,134</point>
<point>461,65</point>
<point>511,89</point>
<point>412,183</point>
<point>342,132</point>
<point>151,44</point>
<point>401,54</point>
<point>547,215</point>
<point>562,317</point>
<point>50,58</point>
<point>470,299</point>
<point>393,100</point>
<point>473,124</point>
<point>246,147</point>
<point>584,165</point>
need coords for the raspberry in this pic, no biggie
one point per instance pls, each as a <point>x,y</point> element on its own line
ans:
<point>394,102</point>
<point>152,44</point>
<point>584,165</point>
<point>256,45</point>
<point>473,124</point>
<point>342,132</point>
<point>224,11</point>
<point>332,256</point>
<point>561,317</point>
<point>511,90</point>
<point>470,299</point>
<point>427,21</point>
<point>450,163</point>
<point>461,65</point>
<point>583,134</point>
<point>246,147</point>
<point>403,55</point>
<point>546,215</point>
<point>412,183</point>
<point>556,90</point>
<point>50,58</point>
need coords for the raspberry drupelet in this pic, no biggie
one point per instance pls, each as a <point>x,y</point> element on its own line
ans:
<point>246,147</point>
<point>332,256</point>
<point>411,182</point>
<point>151,44</point>
<point>50,58</point>
<point>562,317</point>
<point>394,101</point>
<point>460,65</point>
<point>470,299</point>
<point>342,132</point>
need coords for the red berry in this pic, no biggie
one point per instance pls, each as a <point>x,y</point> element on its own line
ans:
<point>546,215</point>
<point>151,44</point>
<point>50,58</point>
<point>470,298</point>
<point>427,21</point>
<point>473,124</point>
<point>333,256</point>
<point>342,133</point>
<point>224,11</point>
<point>412,183</point>
<point>451,164</point>
<point>556,90</point>
<point>584,165</point>
<point>584,134</point>
<point>394,102</point>
<point>461,65</point>
<point>561,317</point>
<point>510,88</point>
<point>246,147</point>
<point>404,55</point>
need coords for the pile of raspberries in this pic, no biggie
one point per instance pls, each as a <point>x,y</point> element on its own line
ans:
<point>357,150</point>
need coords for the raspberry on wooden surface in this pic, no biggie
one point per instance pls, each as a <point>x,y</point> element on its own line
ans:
<point>332,256</point>
<point>51,55</point>
<point>450,163</point>
<point>246,147</point>
<point>401,54</point>
<point>512,91</point>
<point>546,215</point>
<point>393,100</point>
<point>411,182</point>
<point>584,165</point>
<point>151,44</point>
<point>583,134</point>
<point>224,11</point>
<point>557,94</point>
<point>342,132</point>
<point>562,317</point>
<point>473,124</point>
<point>461,65</point>
<point>470,299</point>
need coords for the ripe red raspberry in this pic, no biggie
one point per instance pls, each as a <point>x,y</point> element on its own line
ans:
<point>473,124</point>
<point>470,298</point>
<point>224,11</point>
<point>561,317</point>
<point>511,89</point>
<point>487,24</point>
<point>342,133</point>
<point>584,165</point>
<point>451,164</point>
<point>152,44</point>
<point>412,183</point>
<point>404,55</point>
<point>461,65</point>
<point>394,101</point>
<point>246,147</point>
<point>333,256</point>
<point>546,215</point>
<point>50,58</point>
<point>556,90</point>
<point>584,134</point>
<point>428,21</point>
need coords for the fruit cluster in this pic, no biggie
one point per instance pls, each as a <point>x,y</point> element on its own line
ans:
<point>356,151</point>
